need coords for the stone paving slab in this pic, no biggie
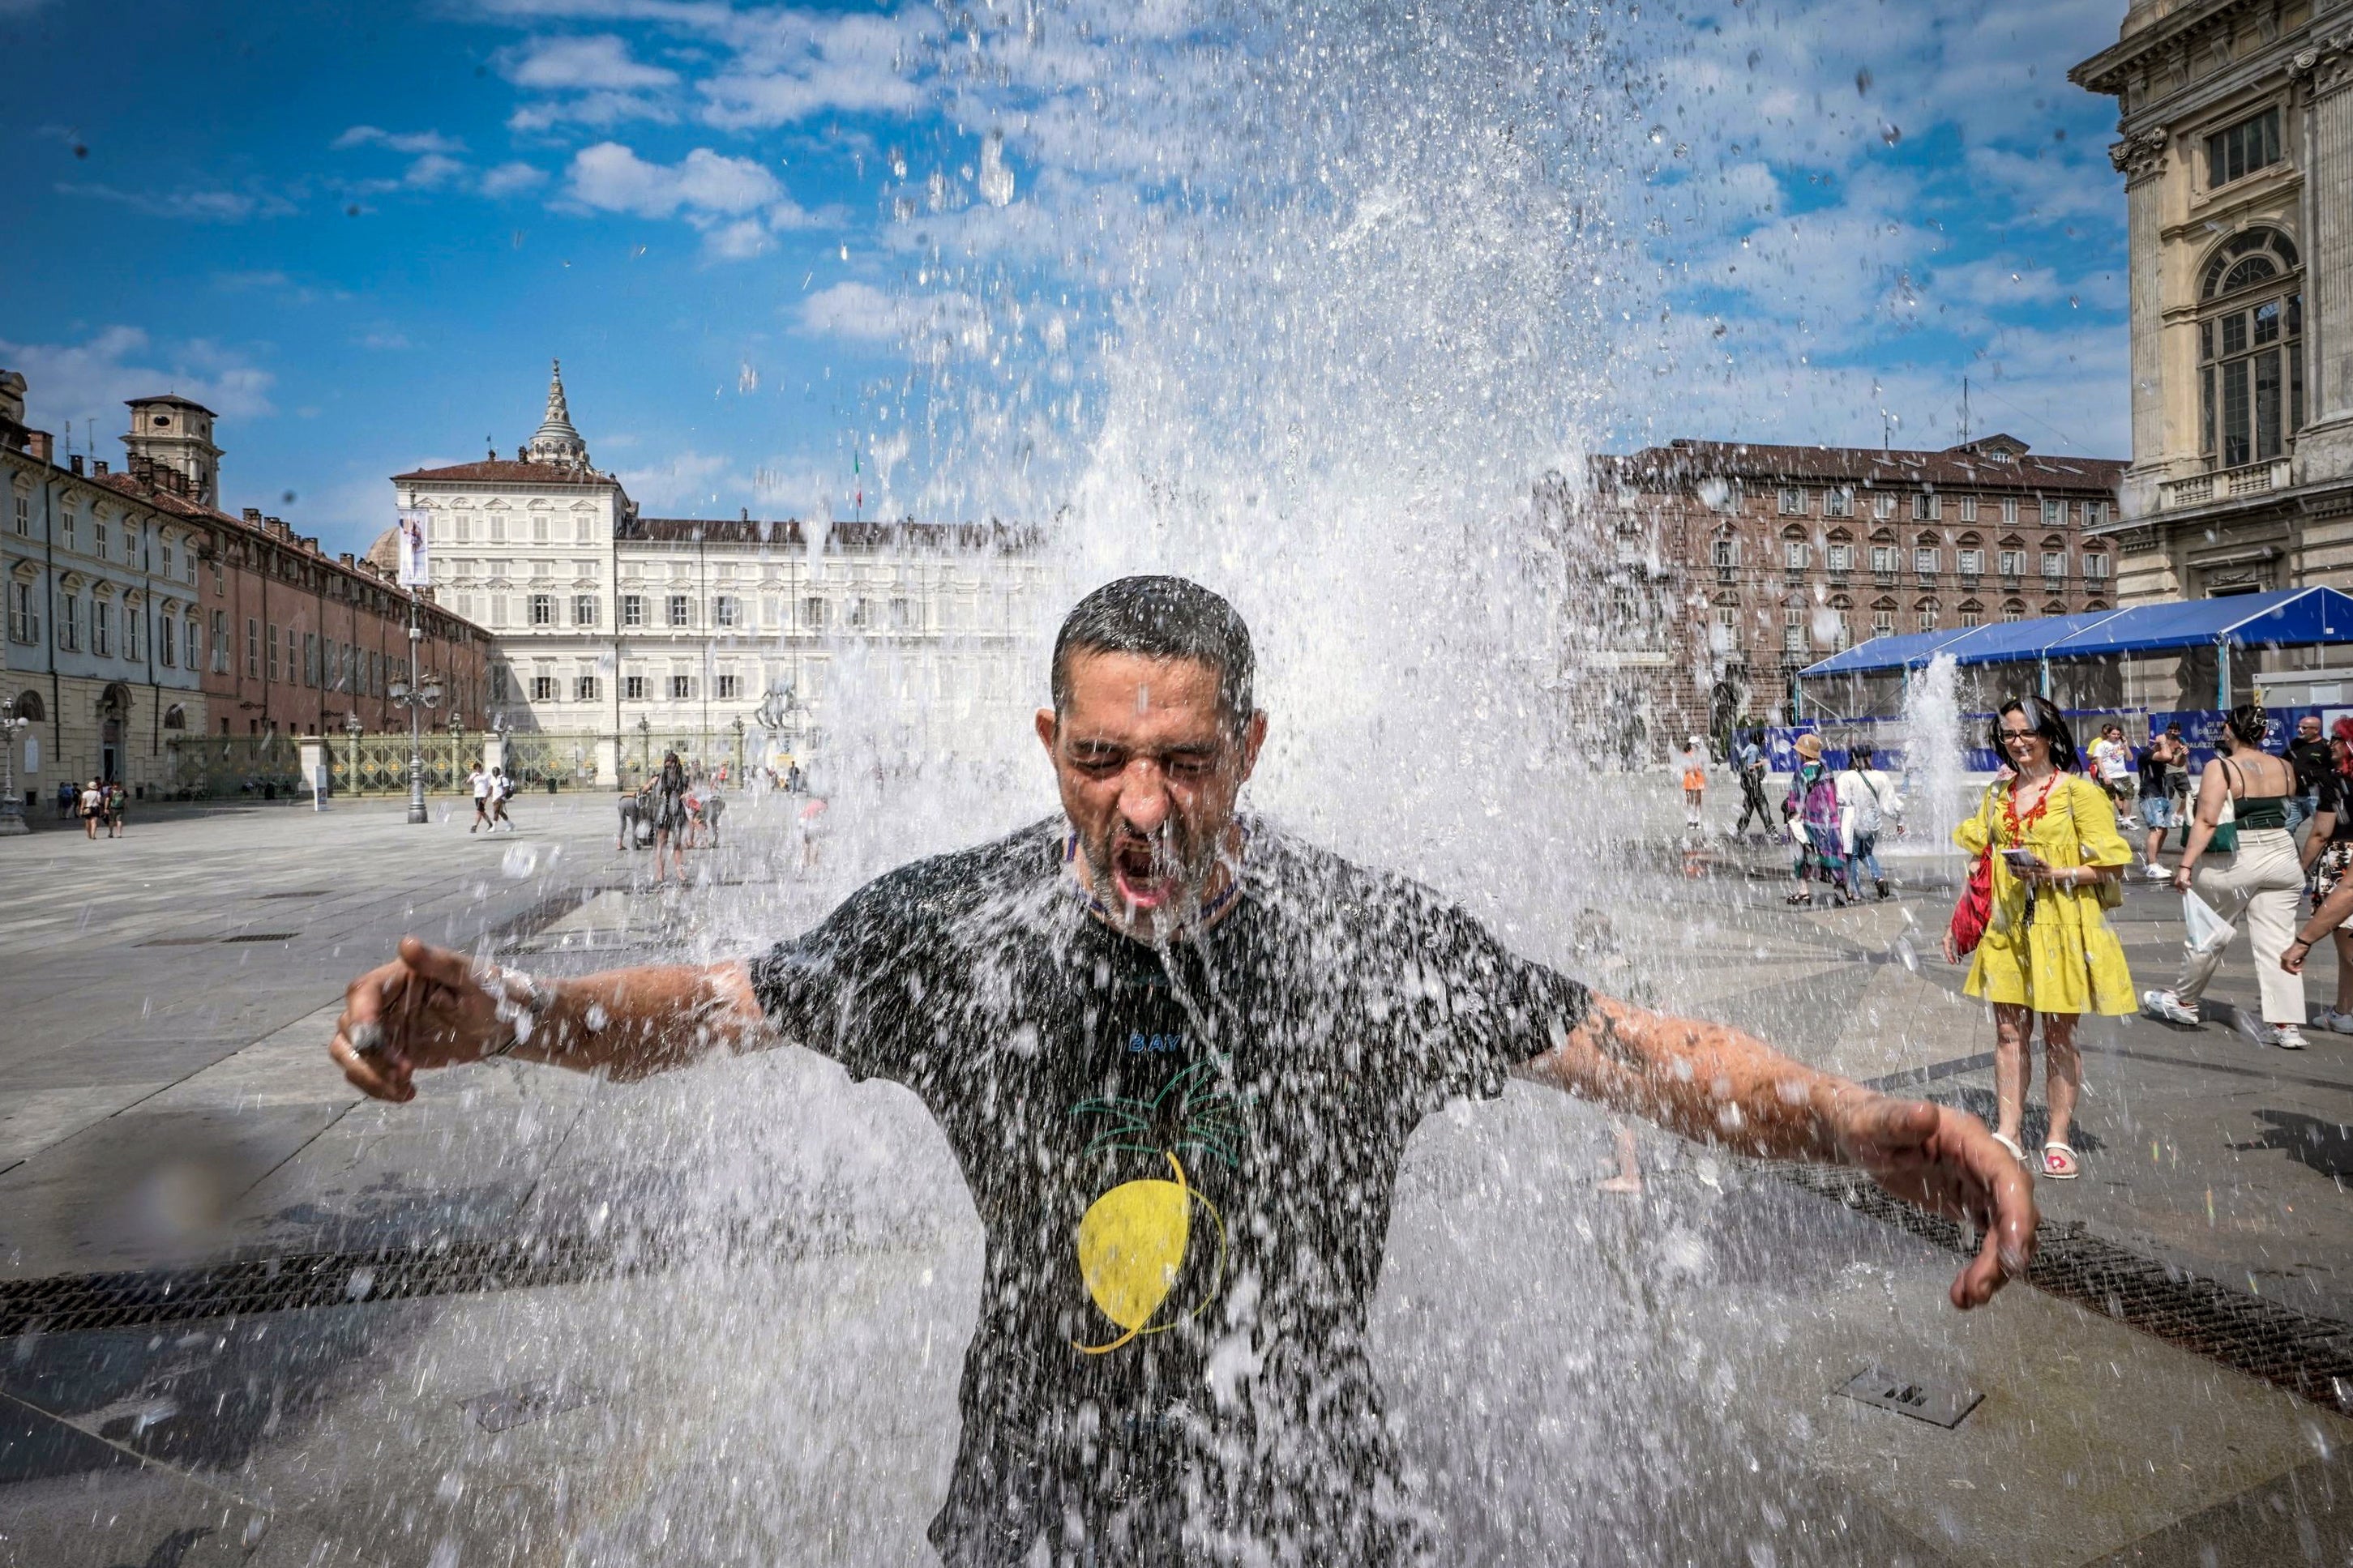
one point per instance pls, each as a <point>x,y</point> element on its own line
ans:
<point>1541,1341</point>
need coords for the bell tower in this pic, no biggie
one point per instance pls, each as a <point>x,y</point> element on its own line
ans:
<point>176,433</point>
<point>556,441</point>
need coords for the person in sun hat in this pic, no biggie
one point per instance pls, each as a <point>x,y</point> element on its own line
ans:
<point>1816,826</point>
<point>1177,1053</point>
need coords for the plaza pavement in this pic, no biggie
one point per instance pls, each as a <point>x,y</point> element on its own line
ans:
<point>770,1378</point>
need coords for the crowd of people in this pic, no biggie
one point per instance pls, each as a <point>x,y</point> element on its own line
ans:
<point>2247,840</point>
<point>97,803</point>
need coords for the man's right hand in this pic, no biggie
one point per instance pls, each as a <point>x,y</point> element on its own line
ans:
<point>424,1009</point>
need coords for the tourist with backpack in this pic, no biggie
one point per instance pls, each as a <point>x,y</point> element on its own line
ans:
<point>1811,811</point>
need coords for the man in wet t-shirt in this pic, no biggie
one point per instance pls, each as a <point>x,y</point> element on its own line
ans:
<point>1177,1054</point>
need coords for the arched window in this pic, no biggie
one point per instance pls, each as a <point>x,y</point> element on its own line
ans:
<point>2013,609</point>
<point>175,717</point>
<point>1883,617</point>
<point>2251,348</point>
<point>28,705</point>
<point>1972,613</point>
<point>1925,614</point>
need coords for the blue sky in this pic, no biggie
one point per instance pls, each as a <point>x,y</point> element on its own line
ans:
<point>759,235</point>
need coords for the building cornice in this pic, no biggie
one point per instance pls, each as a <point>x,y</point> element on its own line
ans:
<point>2105,71</point>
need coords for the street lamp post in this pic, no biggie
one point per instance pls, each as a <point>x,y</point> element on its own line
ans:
<point>12,810</point>
<point>416,694</point>
<point>739,748</point>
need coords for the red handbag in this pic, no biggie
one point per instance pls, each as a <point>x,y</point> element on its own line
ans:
<point>1974,908</point>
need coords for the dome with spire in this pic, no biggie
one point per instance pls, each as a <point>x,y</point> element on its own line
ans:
<point>555,442</point>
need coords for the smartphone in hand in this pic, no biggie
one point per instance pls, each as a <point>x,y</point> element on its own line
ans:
<point>2020,861</point>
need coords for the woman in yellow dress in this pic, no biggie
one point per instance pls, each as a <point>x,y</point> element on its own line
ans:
<point>2057,864</point>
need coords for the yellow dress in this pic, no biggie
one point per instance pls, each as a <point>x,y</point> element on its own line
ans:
<point>2068,961</point>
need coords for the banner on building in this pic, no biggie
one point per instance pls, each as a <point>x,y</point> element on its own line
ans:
<point>416,565</point>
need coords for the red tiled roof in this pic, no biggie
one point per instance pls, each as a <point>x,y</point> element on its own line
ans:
<point>177,505</point>
<point>1687,460</point>
<point>507,471</point>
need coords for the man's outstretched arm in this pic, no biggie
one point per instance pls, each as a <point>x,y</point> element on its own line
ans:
<point>1716,1084</point>
<point>433,1008</point>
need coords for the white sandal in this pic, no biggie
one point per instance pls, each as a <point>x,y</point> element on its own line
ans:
<point>2060,1164</point>
<point>2011,1144</point>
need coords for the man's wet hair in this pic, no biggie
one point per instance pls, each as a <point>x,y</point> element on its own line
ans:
<point>1162,617</point>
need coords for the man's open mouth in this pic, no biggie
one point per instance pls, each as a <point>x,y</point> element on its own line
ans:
<point>1142,876</point>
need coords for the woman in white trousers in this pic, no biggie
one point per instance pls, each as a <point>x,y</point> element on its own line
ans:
<point>2263,880</point>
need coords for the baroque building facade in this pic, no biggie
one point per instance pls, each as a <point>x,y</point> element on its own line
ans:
<point>2237,152</point>
<point>140,615</point>
<point>658,632</point>
<point>1723,568</point>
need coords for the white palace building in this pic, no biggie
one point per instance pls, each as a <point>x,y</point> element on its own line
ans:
<point>623,635</point>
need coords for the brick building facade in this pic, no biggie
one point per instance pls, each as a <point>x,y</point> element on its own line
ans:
<point>1723,568</point>
<point>140,613</point>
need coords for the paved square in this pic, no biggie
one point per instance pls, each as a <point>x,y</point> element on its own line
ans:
<point>717,1317</point>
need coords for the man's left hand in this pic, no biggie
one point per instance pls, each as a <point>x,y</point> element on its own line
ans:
<point>1946,1162</point>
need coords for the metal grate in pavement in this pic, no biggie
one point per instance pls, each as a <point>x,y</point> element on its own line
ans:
<point>2307,1355</point>
<point>72,1303</point>
<point>261,936</point>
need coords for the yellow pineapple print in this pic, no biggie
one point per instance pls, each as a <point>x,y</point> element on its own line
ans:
<point>1133,1241</point>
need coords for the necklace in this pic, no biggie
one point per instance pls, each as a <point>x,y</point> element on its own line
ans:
<point>2017,825</point>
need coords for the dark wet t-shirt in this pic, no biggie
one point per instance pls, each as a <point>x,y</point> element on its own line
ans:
<point>1182,1162</point>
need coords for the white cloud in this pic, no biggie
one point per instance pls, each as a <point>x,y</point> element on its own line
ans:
<point>509,179</point>
<point>611,178</point>
<point>685,478</point>
<point>798,64</point>
<point>738,241</point>
<point>413,142</point>
<point>582,64</point>
<point>432,171</point>
<point>597,110</point>
<point>859,312</point>
<point>192,205</point>
<point>90,380</point>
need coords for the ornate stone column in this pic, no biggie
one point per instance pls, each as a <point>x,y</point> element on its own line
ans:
<point>2140,158</point>
<point>2327,70</point>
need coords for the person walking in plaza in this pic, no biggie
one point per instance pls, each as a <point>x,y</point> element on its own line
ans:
<point>2310,756</point>
<point>2161,762</point>
<point>66,795</point>
<point>116,800</point>
<point>2111,767</point>
<point>1811,810</point>
<point>1749,761</point>
<point>1694,769</point>
<point>92,806</point>
<point>502,790</point>
<point>2244,789</point>
<point>479,783</point>
<point>669,819</point>
<point>2048,951</point>
<point>2328,857</point>
<point>1869,805</point>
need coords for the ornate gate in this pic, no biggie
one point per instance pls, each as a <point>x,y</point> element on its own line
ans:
<point>378,764</point>
<point>231,767</point>
<point>569,759</point>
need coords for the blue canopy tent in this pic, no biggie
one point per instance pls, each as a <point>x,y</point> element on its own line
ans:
<point>2293,618</point>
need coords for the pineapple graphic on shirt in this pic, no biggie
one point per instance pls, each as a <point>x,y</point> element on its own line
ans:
<point>1134,1240</point>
